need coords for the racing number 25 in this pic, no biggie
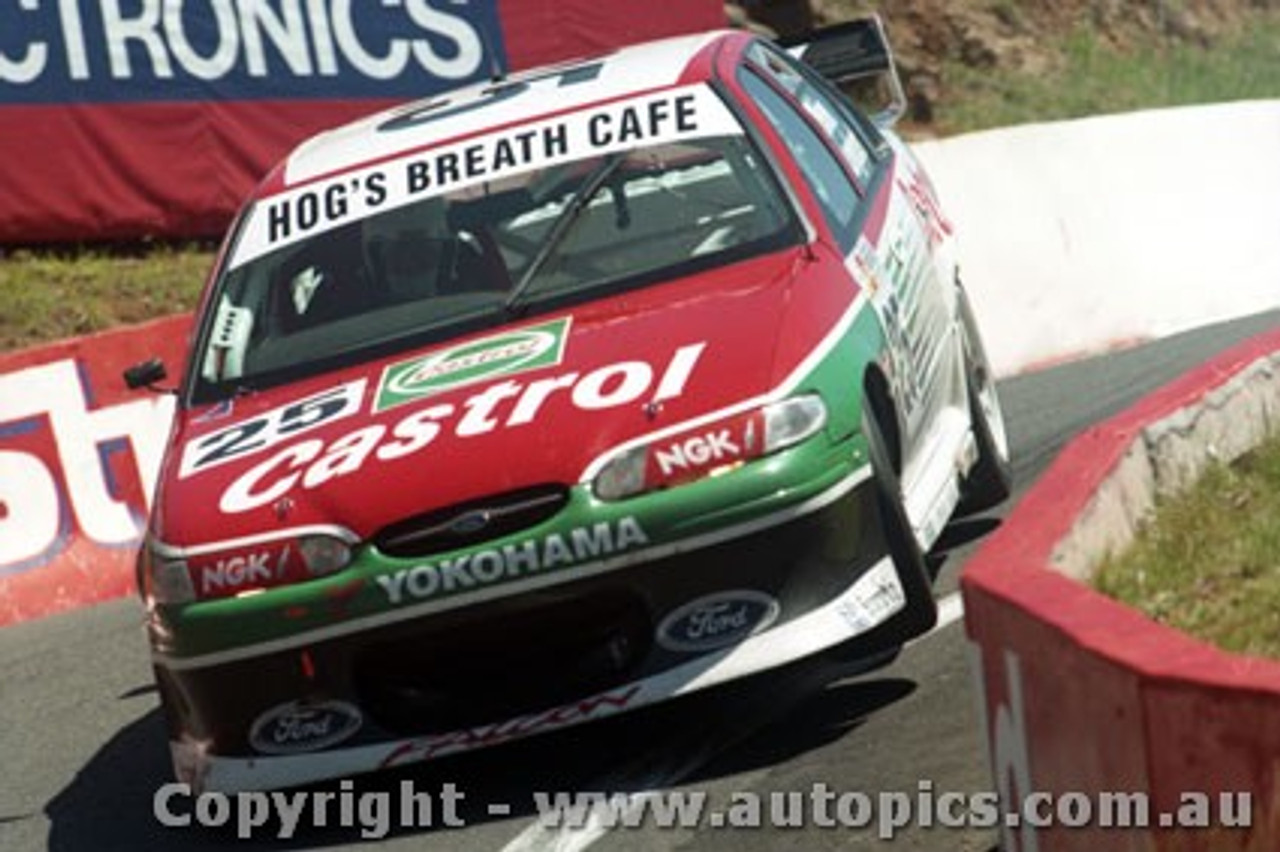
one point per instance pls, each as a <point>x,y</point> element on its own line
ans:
<point>271,428</point>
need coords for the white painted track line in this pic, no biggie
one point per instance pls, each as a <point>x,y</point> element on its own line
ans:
<point>541,838</point>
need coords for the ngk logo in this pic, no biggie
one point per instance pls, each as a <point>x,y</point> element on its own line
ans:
<point>236,572</point>
<point>697,452</point>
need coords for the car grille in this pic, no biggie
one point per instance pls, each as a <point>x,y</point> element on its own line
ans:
<point>501,661</point>
<point>470,523</point>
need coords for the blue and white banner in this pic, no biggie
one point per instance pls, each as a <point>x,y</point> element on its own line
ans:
<point>60,51</point>
<point>122,119</point>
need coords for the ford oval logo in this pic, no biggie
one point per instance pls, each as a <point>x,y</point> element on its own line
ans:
<point>470,522</point>
<point>717,620</point>
<point>304,726</point>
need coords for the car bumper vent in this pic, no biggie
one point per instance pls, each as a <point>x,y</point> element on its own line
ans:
<point>503,661</point>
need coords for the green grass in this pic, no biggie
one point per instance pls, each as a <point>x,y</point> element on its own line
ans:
<point>1208,563</point>
<point>1094,78</point>
<point>47,294</point>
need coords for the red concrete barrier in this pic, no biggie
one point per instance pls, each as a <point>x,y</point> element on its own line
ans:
<point>78,460</point>
<point>1081,694</point>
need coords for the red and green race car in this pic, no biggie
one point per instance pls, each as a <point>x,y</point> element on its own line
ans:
<point>556,397</point>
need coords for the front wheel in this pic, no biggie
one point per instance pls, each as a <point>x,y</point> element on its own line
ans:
<point>990,481</point>
<point>899,538</point>
<point>901,546</point>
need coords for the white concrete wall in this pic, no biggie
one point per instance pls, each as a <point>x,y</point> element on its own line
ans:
<point>1079,236</point>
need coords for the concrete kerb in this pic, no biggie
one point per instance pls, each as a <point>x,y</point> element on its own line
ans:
<point>1169,455</point>
<point>1081,693</point>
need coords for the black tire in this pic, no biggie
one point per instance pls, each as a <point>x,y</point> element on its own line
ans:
<point>921,612</point>
<point>898,535</point>
<point>990,481</point>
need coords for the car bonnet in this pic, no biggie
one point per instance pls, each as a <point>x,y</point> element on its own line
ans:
<point>534,402</point>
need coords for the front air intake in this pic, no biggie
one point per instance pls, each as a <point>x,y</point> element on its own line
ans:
<point>470,523</point>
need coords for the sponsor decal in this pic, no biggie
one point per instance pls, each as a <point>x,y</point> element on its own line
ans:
<point>270,429</point>
<point>697,451</point>
<point>717,620</point>
<point>925,204</point>
<point>604,704</point>
<point>303,726</point>
<point>226,575</point>
<point>895,289</point>
<point>690,456</point>
<point>559,550</point>
<point>311,463</point>
<point>876,597</point>
<point>505,354</point>
<point>686,113</point>
<point>149,50</point>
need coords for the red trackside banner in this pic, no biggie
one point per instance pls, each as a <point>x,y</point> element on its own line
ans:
<point>134,118</point>
<point>78,461</point>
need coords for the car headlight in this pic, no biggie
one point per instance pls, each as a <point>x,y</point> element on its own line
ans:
<point>168,580</point>
<point>177,576</point>
<point>623,475</point>
<point>791,421</point>
<point>709,449</point>
<point>324,554</point>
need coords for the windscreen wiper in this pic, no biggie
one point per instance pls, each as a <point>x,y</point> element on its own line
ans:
<point>562,226</point>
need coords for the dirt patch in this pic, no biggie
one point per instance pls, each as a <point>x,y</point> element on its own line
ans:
<point>1012,35</point>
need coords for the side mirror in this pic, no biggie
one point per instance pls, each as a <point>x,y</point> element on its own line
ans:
<point>145,375</point>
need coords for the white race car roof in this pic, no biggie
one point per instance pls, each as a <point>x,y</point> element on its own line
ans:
<point>629,71</point>
<point>483,136</point>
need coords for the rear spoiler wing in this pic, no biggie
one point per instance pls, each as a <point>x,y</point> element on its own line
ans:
<point>854,52</point>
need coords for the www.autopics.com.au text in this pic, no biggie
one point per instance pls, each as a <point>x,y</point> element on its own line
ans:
<point>375,813</point>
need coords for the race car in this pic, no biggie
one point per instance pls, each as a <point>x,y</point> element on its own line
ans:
<point>555,397</point>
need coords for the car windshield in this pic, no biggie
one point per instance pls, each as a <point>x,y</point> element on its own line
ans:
<point>478,256</point>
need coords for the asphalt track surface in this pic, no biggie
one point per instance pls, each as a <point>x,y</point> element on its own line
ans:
<point>82,748</point>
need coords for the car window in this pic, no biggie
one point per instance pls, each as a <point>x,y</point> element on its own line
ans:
<point>830,115</point>
<point>456,259</point>
<point>822,172</point>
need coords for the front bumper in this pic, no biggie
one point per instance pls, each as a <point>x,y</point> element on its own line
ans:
<point>607,637</point>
